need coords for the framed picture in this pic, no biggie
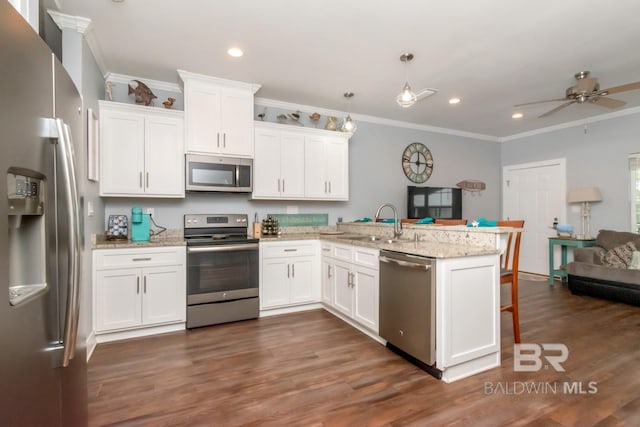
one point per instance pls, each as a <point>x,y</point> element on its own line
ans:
<point>93,145</point>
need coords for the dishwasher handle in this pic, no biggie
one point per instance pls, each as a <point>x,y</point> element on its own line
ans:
<point>407,264</point>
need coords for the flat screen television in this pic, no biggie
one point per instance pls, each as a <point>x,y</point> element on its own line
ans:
<point>434,202</point>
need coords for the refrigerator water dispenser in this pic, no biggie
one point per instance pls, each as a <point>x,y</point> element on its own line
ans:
<point>26,219</point>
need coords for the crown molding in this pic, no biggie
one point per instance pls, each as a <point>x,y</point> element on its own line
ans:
<point>153,84</point>
<point>84,27</point>
<point>265,102</point>
<point>582,122</point>
<point>187,75</point>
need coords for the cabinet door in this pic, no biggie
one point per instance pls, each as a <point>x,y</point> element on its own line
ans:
<point>202,115</point>
<point>343,290</point>
<point>163,295</point>
<point>266,165</point>
<point>164,156</point>
<point>301,280</point>
<point>337,168</point>
<point>118,299</point>
<point>292,165</point>
<point>366,297</point>
<point>315,181</point>
<point>328,280</point>
<point>121,153</point>
<point>237,122</point>
<point>275,283</point>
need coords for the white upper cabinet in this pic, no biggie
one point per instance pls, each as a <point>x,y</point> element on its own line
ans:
<point>218,115</point>
<point>299,163</point>
<point>141,151</point>
<point>327,168</point>
<point>278,165</point>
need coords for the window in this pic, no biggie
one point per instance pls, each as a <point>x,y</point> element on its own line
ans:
<point>634,186</point>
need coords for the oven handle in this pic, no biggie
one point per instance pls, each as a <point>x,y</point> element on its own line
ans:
<point>222,248</point>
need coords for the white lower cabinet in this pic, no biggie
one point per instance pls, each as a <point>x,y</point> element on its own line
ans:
<point>289,273</point>
<point>137,289</point>
<point>351,283</point>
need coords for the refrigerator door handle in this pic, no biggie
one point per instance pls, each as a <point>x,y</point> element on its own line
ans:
<point>72,304</point>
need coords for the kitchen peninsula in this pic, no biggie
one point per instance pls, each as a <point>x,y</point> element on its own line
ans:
<point>467,286</point>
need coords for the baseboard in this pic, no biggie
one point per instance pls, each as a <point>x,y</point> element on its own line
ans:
<point>136,333</point>
<point>91,344</point>
<point>287,310</point>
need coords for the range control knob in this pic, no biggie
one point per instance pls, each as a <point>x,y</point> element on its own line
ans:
<point>401,332</point>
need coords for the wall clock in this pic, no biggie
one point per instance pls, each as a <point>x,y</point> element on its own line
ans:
<point>417,162</point>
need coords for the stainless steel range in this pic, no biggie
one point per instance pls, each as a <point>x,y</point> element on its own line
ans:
<point>222,270</point>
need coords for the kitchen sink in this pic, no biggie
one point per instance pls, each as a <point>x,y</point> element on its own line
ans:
<point>375,239</point>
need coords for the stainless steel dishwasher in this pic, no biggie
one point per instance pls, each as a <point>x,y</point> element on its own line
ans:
<point>407,306</point>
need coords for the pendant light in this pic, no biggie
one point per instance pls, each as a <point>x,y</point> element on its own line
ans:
<point>407,97</point>
<point>347,124</point>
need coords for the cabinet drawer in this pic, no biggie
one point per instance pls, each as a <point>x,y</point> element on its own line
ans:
<point>366,257</point>
<point>342,252</point>
<point>119,258</point>
<point>287,249</point>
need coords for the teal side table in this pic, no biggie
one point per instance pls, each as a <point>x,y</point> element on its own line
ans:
<point>564,243</point>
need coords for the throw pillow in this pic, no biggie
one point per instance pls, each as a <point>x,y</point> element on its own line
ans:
<point>635,261</point>
<point>619,257</point>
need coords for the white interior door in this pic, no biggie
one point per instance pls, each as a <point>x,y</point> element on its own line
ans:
<point>536,193</point>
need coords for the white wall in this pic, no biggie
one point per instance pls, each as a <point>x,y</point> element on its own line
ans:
<point>597,155</point>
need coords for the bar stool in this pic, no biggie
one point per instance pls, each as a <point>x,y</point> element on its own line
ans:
<point>509,272</point>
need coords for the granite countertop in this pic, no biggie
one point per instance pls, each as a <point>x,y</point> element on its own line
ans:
<point>409,246</point>
<point>167,238</point>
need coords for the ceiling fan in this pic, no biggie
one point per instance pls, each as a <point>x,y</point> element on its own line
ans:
<point>587,89</point>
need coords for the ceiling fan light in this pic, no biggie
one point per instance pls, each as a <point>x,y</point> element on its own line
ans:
<point>406,98</point>
<point>517,115</point>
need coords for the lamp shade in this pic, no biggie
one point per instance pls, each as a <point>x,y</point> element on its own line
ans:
<point>584,194</point>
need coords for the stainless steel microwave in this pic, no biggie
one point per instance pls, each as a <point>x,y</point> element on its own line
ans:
<point>213,173</point>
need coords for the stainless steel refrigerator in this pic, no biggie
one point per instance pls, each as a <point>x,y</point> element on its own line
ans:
<point>42,359</point>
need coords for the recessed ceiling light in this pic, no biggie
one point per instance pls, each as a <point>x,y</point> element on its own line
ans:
<point>517,115</point>
<point>455,101</point>
<point>236,52</point>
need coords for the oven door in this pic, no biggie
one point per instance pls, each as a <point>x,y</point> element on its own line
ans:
<point>222,272</point>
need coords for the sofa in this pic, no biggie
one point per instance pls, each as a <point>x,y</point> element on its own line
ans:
<point>609,269</point>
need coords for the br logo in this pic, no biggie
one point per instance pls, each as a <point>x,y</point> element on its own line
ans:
<point>528,357</point>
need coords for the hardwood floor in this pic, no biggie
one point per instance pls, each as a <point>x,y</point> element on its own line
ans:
<point>312,369</point>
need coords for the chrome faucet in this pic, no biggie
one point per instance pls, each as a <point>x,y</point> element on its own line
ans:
<point>397,225</point>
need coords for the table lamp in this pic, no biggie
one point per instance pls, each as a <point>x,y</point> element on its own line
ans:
<point>585,196</point>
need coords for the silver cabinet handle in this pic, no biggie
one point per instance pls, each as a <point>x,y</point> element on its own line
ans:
<point>145,284</point>
<point>288,271</point>
<point>291,250</point>
<point>328,272</point>
<point>329,187</point>
<point>141,259</point>
<point>283,190</point>
<point>293,270</point>
<point>224,140</point>
<point>138,285</point>
<point>140,179</point>
<point>218,139</point>
<point>278,185</point>
<point>147,179</point>
<point>325,187</point>
<point>73,212</point>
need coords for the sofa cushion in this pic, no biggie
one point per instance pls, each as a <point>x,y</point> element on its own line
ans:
<point>609,239</point>
<point>619,256</point>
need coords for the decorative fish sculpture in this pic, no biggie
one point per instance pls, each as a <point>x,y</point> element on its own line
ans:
<point>142,93</point>
<point>472,185</point>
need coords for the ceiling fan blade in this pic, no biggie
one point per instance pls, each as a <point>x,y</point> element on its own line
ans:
<point>608,102</point>
<point>540,102</point>
<point>622,88</point>
<point>548,113</point>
